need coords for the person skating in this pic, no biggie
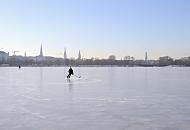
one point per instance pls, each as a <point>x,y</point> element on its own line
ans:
<point>70,72</point>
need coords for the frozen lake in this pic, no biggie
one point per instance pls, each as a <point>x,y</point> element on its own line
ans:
<point>104,98</point>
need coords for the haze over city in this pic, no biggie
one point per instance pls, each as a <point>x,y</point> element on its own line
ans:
<point>98,28</point>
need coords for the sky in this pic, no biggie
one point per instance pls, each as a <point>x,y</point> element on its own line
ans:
<point>98,28</point>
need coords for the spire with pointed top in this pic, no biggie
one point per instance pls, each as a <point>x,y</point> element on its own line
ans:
<point>65,54</point>
<point>79,56</point>
<point>41,52</point>
<point>146,56</point>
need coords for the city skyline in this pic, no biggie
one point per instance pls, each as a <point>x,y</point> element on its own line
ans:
<point>44,60</point>
<point>78,55</point>
<point>97,28</point>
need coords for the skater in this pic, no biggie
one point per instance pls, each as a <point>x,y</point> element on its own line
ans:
<point>70,72</point>
<point>19,67</point>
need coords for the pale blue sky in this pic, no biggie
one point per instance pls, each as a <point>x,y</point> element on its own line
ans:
<point>97,27</point>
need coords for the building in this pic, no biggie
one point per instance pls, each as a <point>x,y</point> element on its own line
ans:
<point>79,55</point>
<point>185,59</point>
<point>3,57</point>
<point>41,51</point>
<point>165,60</point>
<point>65,54</point>
<point>112,57</point>
<point>40,57</point>
<point>146,57</point>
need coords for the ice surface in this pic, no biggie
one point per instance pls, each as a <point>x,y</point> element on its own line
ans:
<point>104,98</point>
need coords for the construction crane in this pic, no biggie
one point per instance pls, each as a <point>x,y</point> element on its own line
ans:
<point>14,52</point>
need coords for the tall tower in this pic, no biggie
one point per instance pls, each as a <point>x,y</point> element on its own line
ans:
<point>41,51</point>
<point>25,54</point>
<point>146,56</point>
<point>79,56</point>
<point>65,54</point>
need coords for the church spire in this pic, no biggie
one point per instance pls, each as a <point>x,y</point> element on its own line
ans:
<point>79,55</point>
<point>41,51</point>
<point>65,54</point>
<point>146,56</point>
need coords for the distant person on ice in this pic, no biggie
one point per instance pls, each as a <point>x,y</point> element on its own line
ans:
<point>70,72</point>
<point>19,67</point>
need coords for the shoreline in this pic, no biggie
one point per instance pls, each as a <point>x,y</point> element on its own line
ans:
<point>148,66</point>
